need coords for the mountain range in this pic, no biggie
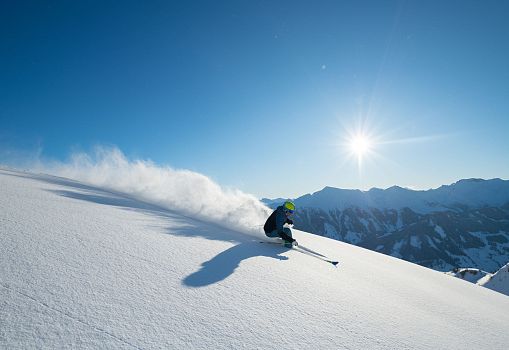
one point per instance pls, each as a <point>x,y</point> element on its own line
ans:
<point>465,224</point>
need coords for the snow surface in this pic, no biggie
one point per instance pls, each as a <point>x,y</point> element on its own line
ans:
<point>83,267</point>
<point>415,242</point>
<point>440,231</point>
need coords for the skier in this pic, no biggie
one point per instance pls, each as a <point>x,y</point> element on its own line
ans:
<point>274,225</point>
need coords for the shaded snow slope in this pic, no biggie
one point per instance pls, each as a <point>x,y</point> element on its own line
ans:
<point>81,267</point>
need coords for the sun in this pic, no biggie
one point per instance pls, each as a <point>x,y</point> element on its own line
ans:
<point>359,142</point>
<point>366,144</point>
<point>360,145</point>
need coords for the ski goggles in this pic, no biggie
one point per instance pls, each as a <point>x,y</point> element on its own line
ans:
<point>289,211</point>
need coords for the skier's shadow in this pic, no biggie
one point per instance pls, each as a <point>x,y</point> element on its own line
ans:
<point>224,264</point>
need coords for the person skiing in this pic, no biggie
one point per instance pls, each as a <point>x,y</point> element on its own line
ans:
<point>274,226</point>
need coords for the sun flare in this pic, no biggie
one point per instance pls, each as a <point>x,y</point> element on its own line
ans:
<point>367,145</point>
<point>360,145</point>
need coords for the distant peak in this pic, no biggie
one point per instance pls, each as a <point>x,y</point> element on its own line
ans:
<point>478,181</point>
<point>396,188</point>
<point>472,180</point>
<point>329,189</point>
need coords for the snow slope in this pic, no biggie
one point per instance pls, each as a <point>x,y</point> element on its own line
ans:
<point>82,267</point>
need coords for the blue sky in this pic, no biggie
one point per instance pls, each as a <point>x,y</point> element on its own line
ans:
<point>263,95</point>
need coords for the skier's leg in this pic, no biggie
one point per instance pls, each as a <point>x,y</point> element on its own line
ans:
<point>287,231</point>
<point>289,242</point>
<point>272,234</point>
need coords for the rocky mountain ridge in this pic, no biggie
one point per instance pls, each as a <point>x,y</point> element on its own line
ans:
<point>465,224</point>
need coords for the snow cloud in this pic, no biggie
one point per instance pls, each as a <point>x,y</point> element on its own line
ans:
<point>185,191</point>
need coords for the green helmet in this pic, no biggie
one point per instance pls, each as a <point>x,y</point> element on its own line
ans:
<point>289,206</point>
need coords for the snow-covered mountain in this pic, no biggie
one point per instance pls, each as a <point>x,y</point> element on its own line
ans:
<point>272,203</point>
<point>498,281</point>
<point>473,193</point>
<point>468,274</point>
<point>85,267</point>
<point>465,224</point>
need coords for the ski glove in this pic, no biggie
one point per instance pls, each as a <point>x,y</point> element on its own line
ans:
<point>289,221</point>
<point>290,244</point>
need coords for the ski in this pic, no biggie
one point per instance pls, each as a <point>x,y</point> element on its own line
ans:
<point>307,251</point>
